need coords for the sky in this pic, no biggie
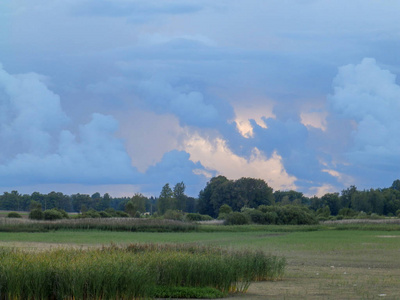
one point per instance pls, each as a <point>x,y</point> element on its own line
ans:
<point>125,96</point>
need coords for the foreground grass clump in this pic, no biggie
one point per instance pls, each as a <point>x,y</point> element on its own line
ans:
<point>133,272</point>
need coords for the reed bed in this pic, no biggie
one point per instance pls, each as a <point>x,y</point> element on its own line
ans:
<point>132,272</point>
<point>110,224</point>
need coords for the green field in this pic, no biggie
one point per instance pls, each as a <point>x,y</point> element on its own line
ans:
<point>323,264</point>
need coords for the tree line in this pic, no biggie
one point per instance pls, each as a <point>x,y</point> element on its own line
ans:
<point>219,191</point>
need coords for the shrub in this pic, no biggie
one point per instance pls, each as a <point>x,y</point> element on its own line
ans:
<point>36,214</point>
<point>91,213</point>
<point>225,209</point>
<point>289,215</point>
<point>111,211</point>
<point>121,214</point>
<point>347,212</point>
<point>362,215</point>
<point>256,216</point>
<point>104,214</point>
<point>237,218</point>
<point>195,217</point>
<point>14,214</point>
<point>173,215</point>
<point>52,214</point>
<point>271,217</point>
<point>63,213</point>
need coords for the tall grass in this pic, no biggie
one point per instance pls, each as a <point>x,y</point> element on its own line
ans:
<point>110,224</point>
<point>132,272</point>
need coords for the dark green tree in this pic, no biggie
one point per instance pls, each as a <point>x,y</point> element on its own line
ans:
<point>333,202</point>
<point>205,205</point>
<point>179,196</point>
<point>136,205</point>
<point>166,199</point>
<point>396,185</point>
<point>347,196</point>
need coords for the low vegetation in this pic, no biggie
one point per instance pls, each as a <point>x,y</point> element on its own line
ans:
<point>133,272</point>
<point>13,215</point>
<point>114,224</point>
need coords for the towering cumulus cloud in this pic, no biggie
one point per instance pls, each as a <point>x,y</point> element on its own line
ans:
<point>37,147</point>
<point>368,98</point>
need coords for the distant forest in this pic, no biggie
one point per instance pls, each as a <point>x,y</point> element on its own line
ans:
<point>219,191</point>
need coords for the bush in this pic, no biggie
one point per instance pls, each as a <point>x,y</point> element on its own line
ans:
<point>237,218</point>
<point>111,211</point>
<point>225,209</point>
<point>63,213</point>
<point>195,217</point>
<point>52,214</point>
<point>14,214</point>
<point>288,215</point>
<point>271,217</point>
<point>256,216</point>
<point>36,214</point>
<point>91,213</point>
<point>173,215</point>
<point>121,214</point>
<point>104,214</point>
<point>347,212</point>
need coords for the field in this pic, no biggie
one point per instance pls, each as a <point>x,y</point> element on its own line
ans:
<point>322,264</point>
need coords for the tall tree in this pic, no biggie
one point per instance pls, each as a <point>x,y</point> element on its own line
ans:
<point>136,205</point>
<point>179,196</point>
<point>165,201</point>
<point>205,205</point>
<point>333,202</point>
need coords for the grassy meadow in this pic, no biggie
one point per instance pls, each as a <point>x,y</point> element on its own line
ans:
<point>323,262</point>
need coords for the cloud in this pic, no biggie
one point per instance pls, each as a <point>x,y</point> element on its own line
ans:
<point>123,8</point>
<point>175,167</point>
<point>38,148</point>
<point>216,155</point>
<point>369,96</point>
<point>30,114</point>
<point>189,104</point>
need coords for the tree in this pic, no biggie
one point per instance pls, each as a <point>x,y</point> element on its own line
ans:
<point>11,201</point>
<point>205,206</point>
<point>396,185</point>
<point>347,196</point>
<point>333,202</point>
<point>244,192</point>
<point>136,205</point>
<point>180,197</point>
<point>104,202</point>
<point>165,201</point>
<point>251,192</point>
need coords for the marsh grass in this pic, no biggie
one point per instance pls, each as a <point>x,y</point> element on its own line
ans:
<point>131,272</point>
<point>109,224</point>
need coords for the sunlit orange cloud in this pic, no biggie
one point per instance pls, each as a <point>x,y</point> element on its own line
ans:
<point>215,155</point>
<point>314,119</point>
<point>256,111</point>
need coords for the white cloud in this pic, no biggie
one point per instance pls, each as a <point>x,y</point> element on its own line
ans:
<point>370,97</point>
<point>319,191</point>
<point>37,146</point>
